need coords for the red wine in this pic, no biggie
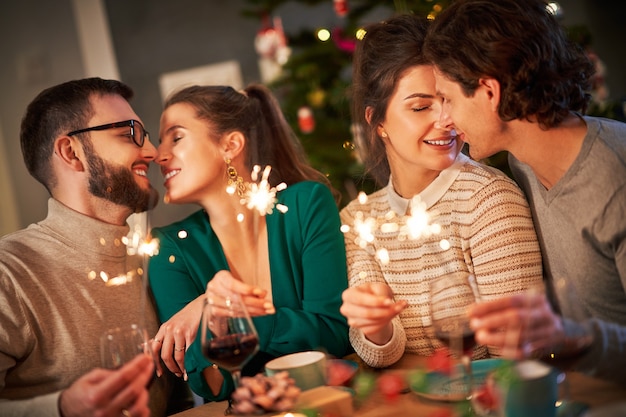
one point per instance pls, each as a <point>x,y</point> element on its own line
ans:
<point>467,338</point>
<point>230,351</point>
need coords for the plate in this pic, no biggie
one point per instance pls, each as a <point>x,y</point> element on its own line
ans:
<point>443,387</point>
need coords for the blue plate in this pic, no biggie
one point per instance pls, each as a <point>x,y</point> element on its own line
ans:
<point>444,387</point>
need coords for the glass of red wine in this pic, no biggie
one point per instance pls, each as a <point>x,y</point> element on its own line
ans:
<point>450,297</point>
<point>229,338</point>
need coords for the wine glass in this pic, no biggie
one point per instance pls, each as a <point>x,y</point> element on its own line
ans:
<point>229,338</point>
<point>121,344</point>
<point>450,297</point>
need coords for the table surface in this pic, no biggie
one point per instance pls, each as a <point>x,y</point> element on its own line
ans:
<point>583,389</point>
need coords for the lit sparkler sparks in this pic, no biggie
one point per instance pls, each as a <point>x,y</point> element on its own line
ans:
<point>260,195</point>
<point>138,242</point>
<point>418,224</point>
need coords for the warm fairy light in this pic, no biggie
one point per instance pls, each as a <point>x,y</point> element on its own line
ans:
<point>554,8</point>
<point>323,35</point>
<point>360,33</point>
<point>444,244</point>
<point>260,196</point>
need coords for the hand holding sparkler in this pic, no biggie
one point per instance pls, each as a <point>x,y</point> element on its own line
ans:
<point>370,307</point>
<point>224,283</point>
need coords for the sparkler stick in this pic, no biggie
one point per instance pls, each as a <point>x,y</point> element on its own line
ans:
<point>139,243</point>
<point>260,199</point>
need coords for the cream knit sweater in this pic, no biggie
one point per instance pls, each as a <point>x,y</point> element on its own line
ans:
<point>56,301</point>
<point>484,217</point>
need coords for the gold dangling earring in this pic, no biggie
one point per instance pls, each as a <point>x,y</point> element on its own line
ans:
<point>235,182</point>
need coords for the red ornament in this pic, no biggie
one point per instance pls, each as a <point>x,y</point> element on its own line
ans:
<point>306,122</point>
<point>390,385</point>
<point>441,361</point>
<point>270,41</point>
<point>486,399</point>
<point>341,7</point>
<point>342,42</point>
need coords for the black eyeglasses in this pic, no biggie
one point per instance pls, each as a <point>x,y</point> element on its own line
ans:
<point>137,132</point>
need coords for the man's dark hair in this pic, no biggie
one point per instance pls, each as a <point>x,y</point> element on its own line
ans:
<point>56,111</point>
<point>543,75</point>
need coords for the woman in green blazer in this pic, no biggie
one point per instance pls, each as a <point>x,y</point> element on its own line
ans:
<point>211,137</point>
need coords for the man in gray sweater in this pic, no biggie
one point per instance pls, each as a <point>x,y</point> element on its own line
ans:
<point>67,279</point>
<point>511,81</point>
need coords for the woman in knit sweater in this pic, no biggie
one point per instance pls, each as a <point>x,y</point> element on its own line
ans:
<point>482,213</point>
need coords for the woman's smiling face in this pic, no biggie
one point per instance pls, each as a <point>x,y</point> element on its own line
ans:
<point>414,139</point>
<point>190,158</point>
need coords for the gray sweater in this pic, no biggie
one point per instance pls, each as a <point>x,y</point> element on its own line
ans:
<point>581,225</point>
<point>56,300</point>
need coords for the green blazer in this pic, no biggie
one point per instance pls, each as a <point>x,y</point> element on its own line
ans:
<point>308,269</point>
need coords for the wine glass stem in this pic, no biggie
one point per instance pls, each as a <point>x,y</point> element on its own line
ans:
<point>236,374</point>
<point>467,364</point>
<point>236,377</point>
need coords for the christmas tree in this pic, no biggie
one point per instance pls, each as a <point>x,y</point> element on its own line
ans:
<point>313,83</point>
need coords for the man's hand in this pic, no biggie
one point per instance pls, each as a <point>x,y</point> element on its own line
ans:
<point>522,325</point>
<point>110,393</point>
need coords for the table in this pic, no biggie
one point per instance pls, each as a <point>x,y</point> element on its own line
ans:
<point>582,388</point>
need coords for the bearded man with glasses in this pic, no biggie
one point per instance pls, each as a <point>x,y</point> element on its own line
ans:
<point>56,298</point>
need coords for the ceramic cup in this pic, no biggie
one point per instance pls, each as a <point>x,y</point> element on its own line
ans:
<point>308,369</point>
<point>533,391</point>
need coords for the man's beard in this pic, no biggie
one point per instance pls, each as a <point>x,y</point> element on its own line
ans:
<point>117,185</point>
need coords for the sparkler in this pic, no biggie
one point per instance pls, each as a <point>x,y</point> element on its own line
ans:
<point>140,243</point>
<point>418,224</point>
<point>259,197</point>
